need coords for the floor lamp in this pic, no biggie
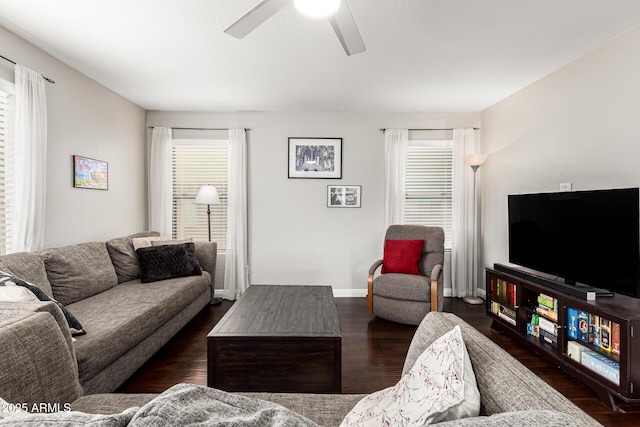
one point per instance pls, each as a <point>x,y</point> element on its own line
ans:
<point>475,161</point>
<point>208,195</point>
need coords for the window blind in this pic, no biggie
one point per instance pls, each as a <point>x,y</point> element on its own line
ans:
<point>196,163</point>
<point>428,185</point>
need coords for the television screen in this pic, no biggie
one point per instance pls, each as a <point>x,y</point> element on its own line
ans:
<point>583,237</point>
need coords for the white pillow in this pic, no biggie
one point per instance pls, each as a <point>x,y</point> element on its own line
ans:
<point>145,242</point>
<point>440,386</point>
<point>13,293</point>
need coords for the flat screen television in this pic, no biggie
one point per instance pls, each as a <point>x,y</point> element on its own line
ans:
<point>583,237</point>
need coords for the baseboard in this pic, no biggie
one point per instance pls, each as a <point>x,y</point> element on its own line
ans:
<point>362,293</point>
<point>349,293</point>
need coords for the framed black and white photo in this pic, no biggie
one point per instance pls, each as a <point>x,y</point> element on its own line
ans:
<point>315,158</point>
<point>344,196</point>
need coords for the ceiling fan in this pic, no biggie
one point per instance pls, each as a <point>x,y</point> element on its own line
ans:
<point>337,11</point>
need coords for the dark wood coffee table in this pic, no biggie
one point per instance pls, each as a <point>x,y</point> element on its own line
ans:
<point>279,339</point>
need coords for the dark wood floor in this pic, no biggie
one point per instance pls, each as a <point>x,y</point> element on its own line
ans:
<point>373,352</point>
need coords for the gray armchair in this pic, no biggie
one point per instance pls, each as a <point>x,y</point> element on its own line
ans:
<point>407,298</point>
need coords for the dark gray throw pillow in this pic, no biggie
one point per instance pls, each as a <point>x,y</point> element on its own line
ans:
<point>74,325</point>
<point>167,262</point>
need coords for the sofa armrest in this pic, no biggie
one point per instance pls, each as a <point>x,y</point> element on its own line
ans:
<point>372,271</point>
<point>36,365</point>
<point>207,253</point>
<point>437,291</point>
<point>12,309</point>
<point>505,384</point>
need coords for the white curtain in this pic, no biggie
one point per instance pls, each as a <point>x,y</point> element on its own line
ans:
<point>396,142</point>
<point>236,268</point>
<point>160,181</point>
<point>29,161</point>
<point>462,246</point>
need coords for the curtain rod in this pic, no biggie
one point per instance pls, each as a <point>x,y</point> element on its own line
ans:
<point>385,129</point>
<point>246,129</point>
<point>43,76</point>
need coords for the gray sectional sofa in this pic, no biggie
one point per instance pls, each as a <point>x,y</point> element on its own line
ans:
<point>37,365</point>
<point>125,321</point>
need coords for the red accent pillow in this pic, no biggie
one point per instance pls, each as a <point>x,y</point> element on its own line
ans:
<point>402,256</point>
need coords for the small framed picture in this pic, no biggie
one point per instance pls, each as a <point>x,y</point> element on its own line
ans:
<point>315,158</point>
<point>90,173</point>
<point>344,196</point>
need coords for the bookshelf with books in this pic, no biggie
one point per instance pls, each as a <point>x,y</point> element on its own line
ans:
<point>593,341</point>
<point>502,303</point>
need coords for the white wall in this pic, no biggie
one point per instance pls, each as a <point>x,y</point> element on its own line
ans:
<point>577,125</point>
<point>87,119</point>
<point>293,237</point>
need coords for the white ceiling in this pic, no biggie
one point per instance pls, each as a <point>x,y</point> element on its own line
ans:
<point>422,55</point>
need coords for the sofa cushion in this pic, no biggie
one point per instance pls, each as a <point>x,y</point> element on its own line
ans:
<point>28,266</point>
<point>79,271</point>
<point>519,418</point>
<point>121,317</point>
<point>407,287</point>
<point>123,255</point>
<point>168,262</point>
<point>402,256</point>
<point>440,386</point>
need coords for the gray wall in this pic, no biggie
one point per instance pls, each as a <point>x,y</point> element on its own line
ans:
<point>577,125</point>
<point>87,119</point>
<point>293,237</point>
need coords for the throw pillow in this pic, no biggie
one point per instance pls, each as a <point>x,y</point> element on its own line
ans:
<point>16,294</point>
<point>123,255</point>
<point>167,262</point>
<point>8,280</point>
<point>145,242</point>
<point>402,256</point>
<point>440,386</point>
<point>170,242</point>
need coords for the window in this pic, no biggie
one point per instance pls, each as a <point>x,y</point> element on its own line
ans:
<point>6,109</point>
<point>428,185</point>
<point>196,163</point>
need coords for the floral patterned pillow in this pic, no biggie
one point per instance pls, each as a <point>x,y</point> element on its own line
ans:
<point>440,386</point>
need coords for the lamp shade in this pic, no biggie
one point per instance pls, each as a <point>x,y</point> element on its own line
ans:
<point>475,159</point>
<point>317,9</point>
<point>208,195</point>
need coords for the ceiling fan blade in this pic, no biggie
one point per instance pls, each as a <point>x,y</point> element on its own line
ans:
<point>256,16</point>
<point>347,30</point>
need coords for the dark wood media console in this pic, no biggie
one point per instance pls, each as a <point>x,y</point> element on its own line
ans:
<point>596,342</point>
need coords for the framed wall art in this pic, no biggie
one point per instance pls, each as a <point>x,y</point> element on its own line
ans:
<point>90,173</point>
<point>315,158</point>
<point>344,196</point>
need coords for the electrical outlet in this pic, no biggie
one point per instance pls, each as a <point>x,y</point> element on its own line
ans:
<point>565,186</point>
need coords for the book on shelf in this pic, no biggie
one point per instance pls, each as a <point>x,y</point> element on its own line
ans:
<point>615,338</point>
<point>572,323</point>
<point>504,291</point>
<point>548,326</point>
<point>547,312</point>
<point>507,318</point>
<point>608,368</point>
<point>605,335</point>
<point>548,336</point>
<point>583,325</point>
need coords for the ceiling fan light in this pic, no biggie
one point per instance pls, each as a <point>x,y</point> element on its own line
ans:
<point>317,9</point>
